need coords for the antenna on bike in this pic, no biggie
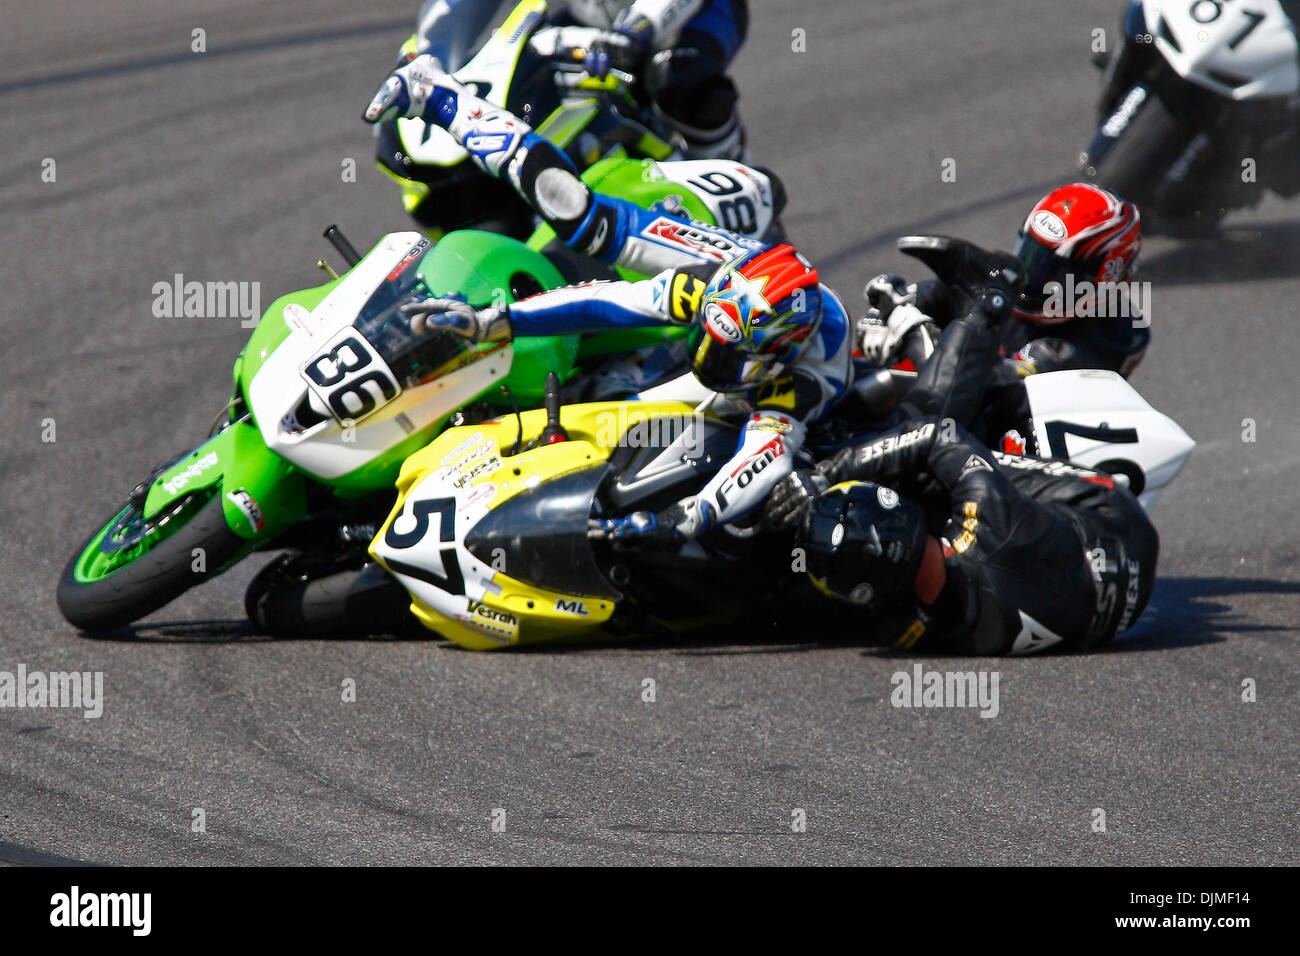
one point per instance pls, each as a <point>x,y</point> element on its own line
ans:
<point>519,420</point>
<point>554,431</point>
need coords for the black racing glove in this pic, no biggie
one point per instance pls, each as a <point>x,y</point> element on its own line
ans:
<point>785,506</point>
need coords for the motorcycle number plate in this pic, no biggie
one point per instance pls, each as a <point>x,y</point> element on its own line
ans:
<point>350,377</point>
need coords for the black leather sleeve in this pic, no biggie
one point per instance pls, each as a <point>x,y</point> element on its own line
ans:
<point>953,381</point>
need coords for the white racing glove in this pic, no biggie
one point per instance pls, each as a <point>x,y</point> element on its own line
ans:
<point>412,89</point>
<point>491,324</point>
<point>893,316</point>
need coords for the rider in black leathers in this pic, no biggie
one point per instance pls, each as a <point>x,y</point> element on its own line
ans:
<point>1015,554</point>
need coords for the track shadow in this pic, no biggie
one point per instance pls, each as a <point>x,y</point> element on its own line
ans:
<point>1185,612</point>
<point>1239,254</point>
<point>180,632</point>
<point>229,631</point>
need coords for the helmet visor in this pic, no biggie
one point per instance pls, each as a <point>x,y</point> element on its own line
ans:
<point>1043,269</point>
<point>723,366</point>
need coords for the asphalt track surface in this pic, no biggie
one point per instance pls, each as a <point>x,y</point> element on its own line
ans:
<point>226,166</point>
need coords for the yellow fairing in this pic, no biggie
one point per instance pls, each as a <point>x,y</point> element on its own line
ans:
<point>472,464</point>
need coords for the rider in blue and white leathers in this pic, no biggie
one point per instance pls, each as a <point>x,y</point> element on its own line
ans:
<point>679,48</point>
<point>681,256</point>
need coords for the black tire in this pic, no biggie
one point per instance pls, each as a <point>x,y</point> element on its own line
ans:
<point>1137,167</point>
<point>1136,163</point>
<point>155,578</point>
<point>303,596</point>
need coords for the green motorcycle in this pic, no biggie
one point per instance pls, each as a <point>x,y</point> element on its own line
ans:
<point>332,392</point>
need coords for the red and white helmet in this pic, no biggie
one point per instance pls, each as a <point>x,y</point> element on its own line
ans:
<point>1080,231</point>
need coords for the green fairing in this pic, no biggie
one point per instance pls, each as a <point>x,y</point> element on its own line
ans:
<point>272,330</point>
<point>480,267</point>
<point>242,462</point>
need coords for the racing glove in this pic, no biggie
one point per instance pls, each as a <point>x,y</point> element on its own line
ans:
<point>887,291</point>
<point>420,88</point>
<point>454,314</point>
<point>786,505</point>
<point>626,48</point>
<point>894,316</point>
<point>665,529</point>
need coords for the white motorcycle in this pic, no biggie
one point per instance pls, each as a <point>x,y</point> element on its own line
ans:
<point>1199,112</point>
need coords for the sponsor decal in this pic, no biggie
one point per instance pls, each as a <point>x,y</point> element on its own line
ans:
<point>482,468</point>
<point>973,464</point>
<point>699,239</point>
<point>893,443</point>
<point>487,142</point>
<point>1033,636</point>
<point>1053,467</point>
<point>837,536</point>
<point>412,254</point>
<point>911,635</point>
<point>720,325</point>
<point>1048,225</point>
<point>456,452</point>
<point>1131,595</point>
<point>750,469</point>
<point>887,497</point>
<point>482,493</point>
<point>248,507</point>
<point>300,318</point>
<point>1013,443</point>
<point>473,455</point>
<point>572,607</point>
<point>1120,118</point>
<point>781,426</point>
<point>970,524</point>
<point>179,480</point>
<point>684,299</point>
<point>492,622</point>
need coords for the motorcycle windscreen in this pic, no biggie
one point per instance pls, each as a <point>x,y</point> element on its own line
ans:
<point>414,359</point>
<point>542,532</point>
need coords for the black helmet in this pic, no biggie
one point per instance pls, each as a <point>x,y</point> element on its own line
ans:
<point>864,543</point>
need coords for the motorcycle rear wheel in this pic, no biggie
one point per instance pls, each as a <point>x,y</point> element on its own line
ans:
<point>303,595</point>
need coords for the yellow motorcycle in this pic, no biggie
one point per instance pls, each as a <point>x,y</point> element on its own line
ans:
<point>489,535</point>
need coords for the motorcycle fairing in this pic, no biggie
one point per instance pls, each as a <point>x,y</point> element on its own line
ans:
<point>1243,51</point>
<point>1096,419</point>
<point>328,447</point>
<point>472,589</point>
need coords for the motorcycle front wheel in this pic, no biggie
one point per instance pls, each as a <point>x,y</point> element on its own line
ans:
<point>131,567</point>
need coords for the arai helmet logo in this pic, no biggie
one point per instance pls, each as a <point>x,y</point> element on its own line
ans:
<point>720,324</point>
<point>1048,225</point>
<point>887,497</point>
